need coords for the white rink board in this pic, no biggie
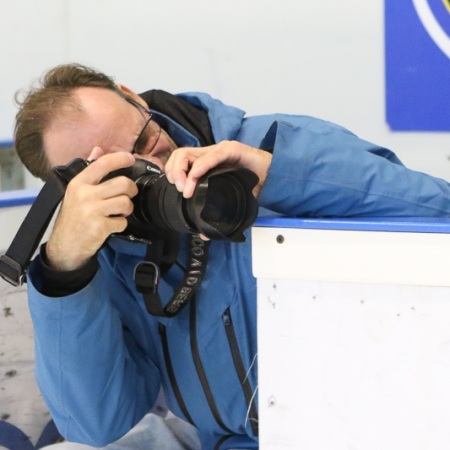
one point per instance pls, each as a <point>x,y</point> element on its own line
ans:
<point>411,258</point>
<point>352,365</point>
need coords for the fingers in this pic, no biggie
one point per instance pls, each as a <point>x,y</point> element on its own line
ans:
<point>91,211</point>
<point>117,186</point>
<point>95,153</point>
<point>187,165</point>
<point>87,188</point>
<point>211,158</point>
<point>103,165</point>
<point>117,206</point>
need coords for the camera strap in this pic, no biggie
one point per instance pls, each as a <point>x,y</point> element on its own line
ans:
<point>147,275</point>
<point>14,263</point>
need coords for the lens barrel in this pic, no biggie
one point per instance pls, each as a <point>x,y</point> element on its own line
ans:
<point>222,205</point>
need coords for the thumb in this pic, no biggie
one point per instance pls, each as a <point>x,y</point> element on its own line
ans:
<point>96,152</point>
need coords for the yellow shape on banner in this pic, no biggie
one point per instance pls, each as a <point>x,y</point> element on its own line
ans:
<point>447,4</point>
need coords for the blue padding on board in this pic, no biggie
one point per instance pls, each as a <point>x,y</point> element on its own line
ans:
<point>400,224</point>
<point>18,198</point>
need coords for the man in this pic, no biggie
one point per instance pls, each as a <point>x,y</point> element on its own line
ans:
<point>100,356</point>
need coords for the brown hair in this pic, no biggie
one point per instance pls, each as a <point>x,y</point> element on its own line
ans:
<point>51,99</point>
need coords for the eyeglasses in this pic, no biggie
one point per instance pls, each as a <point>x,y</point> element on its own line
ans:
<point>147,139</point>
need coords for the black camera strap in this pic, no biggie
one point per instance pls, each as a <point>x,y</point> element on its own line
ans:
<point>14,263</point>
<point>147,275</point>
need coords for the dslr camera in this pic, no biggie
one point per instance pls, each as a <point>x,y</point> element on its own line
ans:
<point>222,205</point>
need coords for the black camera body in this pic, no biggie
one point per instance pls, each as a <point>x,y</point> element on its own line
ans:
<point>222,205</point>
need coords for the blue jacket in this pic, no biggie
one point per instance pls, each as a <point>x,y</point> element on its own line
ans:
<point>101,358</point>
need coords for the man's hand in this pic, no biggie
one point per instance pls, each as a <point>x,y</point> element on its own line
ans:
<point>91,211</point>
<point>187,165</point>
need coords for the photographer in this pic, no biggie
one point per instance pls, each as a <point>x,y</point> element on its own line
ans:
<point>101,357</point>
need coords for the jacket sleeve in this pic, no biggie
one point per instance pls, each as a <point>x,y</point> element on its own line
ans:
<point>320,169</point>
<point>94,378</point>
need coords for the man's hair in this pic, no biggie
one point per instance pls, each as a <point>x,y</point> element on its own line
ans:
<point>50,100</point>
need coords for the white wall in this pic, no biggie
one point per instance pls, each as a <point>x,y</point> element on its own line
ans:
<point>322,58</point>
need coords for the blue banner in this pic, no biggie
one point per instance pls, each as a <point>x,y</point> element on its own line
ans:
<point>417,41</point>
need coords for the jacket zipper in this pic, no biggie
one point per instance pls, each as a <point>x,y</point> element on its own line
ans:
<point>241,372</point>
<point>239,366</point>
<point>200,369</point>
<point>171,373</point>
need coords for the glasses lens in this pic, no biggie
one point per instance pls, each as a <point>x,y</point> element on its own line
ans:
<point>149,135</point>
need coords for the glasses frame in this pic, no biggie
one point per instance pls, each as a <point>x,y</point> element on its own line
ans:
<point>143,109</point>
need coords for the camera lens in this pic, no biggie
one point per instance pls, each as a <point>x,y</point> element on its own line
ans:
<point>225,204</point>
<point>222,205</point>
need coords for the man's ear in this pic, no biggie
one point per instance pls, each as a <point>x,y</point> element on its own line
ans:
<point>132,94</point>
